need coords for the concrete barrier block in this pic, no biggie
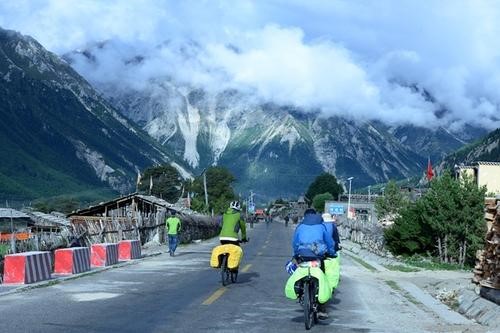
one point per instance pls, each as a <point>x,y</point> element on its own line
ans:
<point>72,260</point>
<point>27,267</point>
<point>104,254</point>
<point>129,249</point>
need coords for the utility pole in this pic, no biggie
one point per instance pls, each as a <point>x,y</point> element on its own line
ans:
<point>349,198</point>
<point>12,241</point>
<point>205,186</point>
<point>250,201</point>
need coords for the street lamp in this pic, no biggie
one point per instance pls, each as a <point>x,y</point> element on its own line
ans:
<point>349,197</point>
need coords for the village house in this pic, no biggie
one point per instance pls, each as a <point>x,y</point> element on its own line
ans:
<point>484,174</point>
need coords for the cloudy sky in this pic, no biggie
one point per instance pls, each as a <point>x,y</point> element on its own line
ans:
<point>364,59</point>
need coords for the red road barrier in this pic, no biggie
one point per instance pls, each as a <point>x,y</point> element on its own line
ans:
<point>104,254</point>
<point>27,267</point>
<point>73,260</point>
<point>129,249</point>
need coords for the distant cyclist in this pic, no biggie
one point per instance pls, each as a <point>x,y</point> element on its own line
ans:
<point>331,226</point>
<point>232,225</point>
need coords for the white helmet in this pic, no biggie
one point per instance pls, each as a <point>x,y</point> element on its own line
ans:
<point>235,205</point>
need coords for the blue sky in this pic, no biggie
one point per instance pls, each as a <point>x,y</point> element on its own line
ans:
<point>361,59</point>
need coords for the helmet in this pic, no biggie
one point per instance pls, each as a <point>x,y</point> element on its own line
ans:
<point>235,205</point>
<point>310,211</point>
<point>327,217</point>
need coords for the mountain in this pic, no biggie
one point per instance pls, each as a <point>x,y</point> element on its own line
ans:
<point>57,134</point>
<point>435,143</point>
<point>486,149</point>
<point>274,150</point>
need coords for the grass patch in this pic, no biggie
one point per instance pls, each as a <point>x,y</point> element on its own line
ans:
<point>406,295</point>
<point>364,264</point>
<point>393,285</point>
<point>402,268</point>
<point>433,265</point>
<point>4,248</point>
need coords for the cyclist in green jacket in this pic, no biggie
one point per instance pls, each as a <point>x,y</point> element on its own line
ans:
<point>173,224</point>
<point>232,224</point>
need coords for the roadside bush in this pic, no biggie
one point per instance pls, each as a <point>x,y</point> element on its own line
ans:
<point>319,200</point>
<point>446,222</point>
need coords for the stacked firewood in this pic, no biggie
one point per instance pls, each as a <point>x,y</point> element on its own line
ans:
<point>487,270</point>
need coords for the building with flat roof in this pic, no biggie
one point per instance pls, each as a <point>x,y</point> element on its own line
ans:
<point>484,174</point>
<point>360,210</point>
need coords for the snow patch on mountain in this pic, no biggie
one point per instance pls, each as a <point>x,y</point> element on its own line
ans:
<point>285,131</point>
<point>183,172</point>
<point>219,132</point>
<point>326,154</point>
<point>189,125</point>
<point>160,129</point>
<point>290,135</point>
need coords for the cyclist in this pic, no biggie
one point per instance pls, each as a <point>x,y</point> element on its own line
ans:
<point>232,224</point>
<point>331,226</point>
<point>312,240</point>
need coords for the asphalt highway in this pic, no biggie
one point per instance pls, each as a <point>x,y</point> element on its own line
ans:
<point>184,294</point>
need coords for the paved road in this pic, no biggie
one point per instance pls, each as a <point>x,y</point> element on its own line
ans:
<point>183,294</point>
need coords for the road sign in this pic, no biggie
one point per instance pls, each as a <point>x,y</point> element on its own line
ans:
<point>336,209</point>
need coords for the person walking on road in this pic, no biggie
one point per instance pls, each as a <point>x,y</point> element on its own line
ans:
<point>173,225</point>
<point>287,218</point>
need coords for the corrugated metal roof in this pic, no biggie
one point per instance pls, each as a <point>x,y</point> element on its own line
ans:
<point>48,219</point>
<point>146,198</point>
<point>8,212</point>
<point>487,163</point>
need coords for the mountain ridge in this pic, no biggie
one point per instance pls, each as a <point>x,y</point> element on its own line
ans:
<point>57,131</point>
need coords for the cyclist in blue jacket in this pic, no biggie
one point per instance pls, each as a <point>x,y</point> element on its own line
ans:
<point>311,238</point>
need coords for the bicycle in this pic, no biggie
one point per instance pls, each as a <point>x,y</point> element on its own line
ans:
<point>308,294</point>
<point>228,275</point>
<point>309,285</point>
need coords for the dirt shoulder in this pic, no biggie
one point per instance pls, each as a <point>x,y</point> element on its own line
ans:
<point>451,288</point>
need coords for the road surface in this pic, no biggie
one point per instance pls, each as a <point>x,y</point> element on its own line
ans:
<point>183,294</point>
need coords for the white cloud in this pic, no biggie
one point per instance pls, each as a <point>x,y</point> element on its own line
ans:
<point>368,60</point>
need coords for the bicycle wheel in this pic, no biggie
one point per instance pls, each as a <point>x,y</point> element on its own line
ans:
<point>314,300</point>
<point>308,311</point>
<point>224,271</point>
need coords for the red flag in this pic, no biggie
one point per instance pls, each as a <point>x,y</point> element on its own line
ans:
<point>430,173</point>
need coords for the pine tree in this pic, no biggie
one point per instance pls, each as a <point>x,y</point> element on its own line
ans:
<point>318,201</point>
<point>392,202</point>
<point>324,183</point>
<point>167,182</point>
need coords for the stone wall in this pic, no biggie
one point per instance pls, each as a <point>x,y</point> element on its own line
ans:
<point>368,235</point>
<point>194,227</point>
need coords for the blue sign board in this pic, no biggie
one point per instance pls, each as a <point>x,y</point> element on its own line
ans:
<point>336,209</point>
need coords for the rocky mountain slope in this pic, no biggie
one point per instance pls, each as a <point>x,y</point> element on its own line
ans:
<point>485,149</point>
<point>274,150</point>
<point>57,134</point>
